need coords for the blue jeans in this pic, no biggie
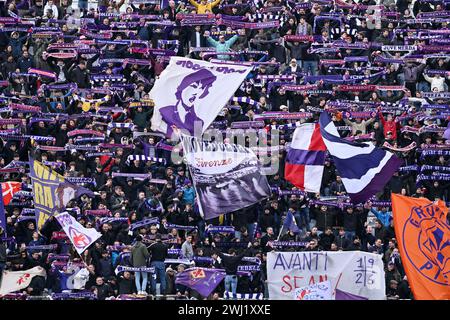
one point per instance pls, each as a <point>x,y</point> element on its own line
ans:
<point>160,272</point>
<point>423,86</point>
<point>83,4</point>
<point>137,280</point>
<point>201,228</point>
<point>251,229</point>
<point>304,218</point>
<point>231,283</point>
<point>276,219</point>
<point>310,66</point>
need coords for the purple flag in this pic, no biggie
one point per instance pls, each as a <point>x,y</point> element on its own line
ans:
<point>447,132</point>
<point>202,280</point>
<point>342,295</point>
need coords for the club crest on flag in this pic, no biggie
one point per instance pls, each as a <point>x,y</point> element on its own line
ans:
<point>197,274</point>
<point>300,295</point>
<point>433,243</point>
<point>80,240</point>
<point>23,278</point>
<point>318,291</point>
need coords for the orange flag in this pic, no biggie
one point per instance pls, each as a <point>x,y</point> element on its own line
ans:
<point>423,235</point>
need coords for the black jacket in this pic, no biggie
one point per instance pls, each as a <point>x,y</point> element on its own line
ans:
<point>158,251</point>
<point>80,77</point>
<point>342,242</point>
<point>326,240</point>
<point>231,263</point>
<point>104,291</point>
<point>126,286</point>
<point>2,252</point>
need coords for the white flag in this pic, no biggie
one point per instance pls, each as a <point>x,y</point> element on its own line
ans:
<point>318,291</point>
<point>81,237</point>
<point>189,94</point>
<point>16,280</point>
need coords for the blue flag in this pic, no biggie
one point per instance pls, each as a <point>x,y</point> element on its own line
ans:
<point>289,224</point>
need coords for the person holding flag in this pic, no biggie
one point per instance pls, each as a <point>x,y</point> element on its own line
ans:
<point>289,225</point>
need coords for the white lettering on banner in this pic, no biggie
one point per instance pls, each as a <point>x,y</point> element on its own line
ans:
<point>355,272</point>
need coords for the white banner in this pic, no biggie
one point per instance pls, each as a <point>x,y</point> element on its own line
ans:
<point>189,94</point>
<point>80,237</point>
<point>355,272</point>
<point>16,280</point>
<point>318,291</point>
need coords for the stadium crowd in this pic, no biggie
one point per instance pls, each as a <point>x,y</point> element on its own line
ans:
<point>392,55</point>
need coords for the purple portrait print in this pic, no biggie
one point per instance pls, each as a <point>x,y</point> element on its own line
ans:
<point>192,89</point>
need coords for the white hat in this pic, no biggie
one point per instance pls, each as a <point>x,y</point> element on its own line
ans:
<point>284,107</point>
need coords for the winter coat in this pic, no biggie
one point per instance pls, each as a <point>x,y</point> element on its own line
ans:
<point>139,255</point>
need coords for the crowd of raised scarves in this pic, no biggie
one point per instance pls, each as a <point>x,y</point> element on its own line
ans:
<point>74,90</point>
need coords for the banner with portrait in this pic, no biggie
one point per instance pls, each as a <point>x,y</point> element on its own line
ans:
<point>226,177</point>
<point>189,94</point>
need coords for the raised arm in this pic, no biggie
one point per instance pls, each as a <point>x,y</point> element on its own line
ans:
<point>427,77</point>
<point>232,40</point>
<point>194,3</point>
<point>383,121</point>
<point>211,41</point>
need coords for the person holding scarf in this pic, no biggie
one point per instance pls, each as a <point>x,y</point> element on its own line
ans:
<point>139,256</point>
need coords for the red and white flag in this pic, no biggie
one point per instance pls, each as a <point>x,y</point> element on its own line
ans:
<point>17,280</point>
<point>80,236</point>
<point>9,188</point>
<point>305,158</point>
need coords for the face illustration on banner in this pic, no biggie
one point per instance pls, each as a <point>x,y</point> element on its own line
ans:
<point>63,195</point>
<point>191,90</point>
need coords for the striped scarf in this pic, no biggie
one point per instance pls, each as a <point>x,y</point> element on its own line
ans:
<point>243,296</point>
<point>142,157</point>
<point>121,125</point>
<point>42,73</point>
<point>85,131</point>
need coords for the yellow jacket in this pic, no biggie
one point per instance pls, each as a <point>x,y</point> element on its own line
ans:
<point>201,9</point>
